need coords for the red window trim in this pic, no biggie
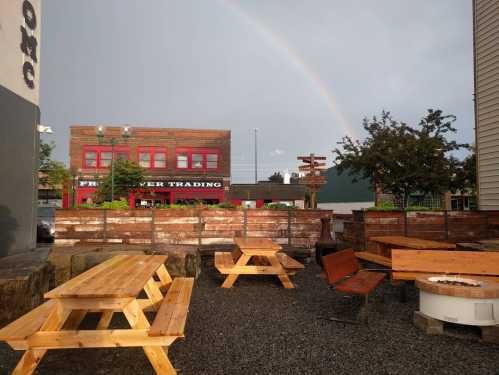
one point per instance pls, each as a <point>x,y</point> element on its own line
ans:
<point>98,150</point>
<point>152,150</point>
<point>194,150</point>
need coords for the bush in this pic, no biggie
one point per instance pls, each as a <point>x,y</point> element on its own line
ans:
<point>384,206</point>
<point>122,204</point>
<point>278,206</point>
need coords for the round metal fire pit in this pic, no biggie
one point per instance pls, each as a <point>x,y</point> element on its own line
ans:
<point>456,299</point>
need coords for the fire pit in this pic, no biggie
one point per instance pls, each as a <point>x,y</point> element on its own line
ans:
<point>456,299</point>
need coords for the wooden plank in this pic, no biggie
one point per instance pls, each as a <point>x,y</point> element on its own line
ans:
<point>231,279</point>
<point>95,303</point>
<point>163,275</point>
<point>253,270</point>
<point>31,358</point>
<point>96,339</point>
<point>171,317</point>
<point>374,258</point>
<point>412,243</point>
<point>27,324</point>
<point>153,293</point>
<point>105,319</point>
<point>156,354</point>
<point>288,262</point>
<point>435,261</point>
<point>121,276</point>
<point>248,243</point>
<point>283,277</point>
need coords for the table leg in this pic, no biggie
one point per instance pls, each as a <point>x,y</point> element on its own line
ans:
<point>156,354</point>
<point>32,357</point>
<point>282,275</point>
<point>105,319</point>
<point>163,275</point>
<point>153,293</point>
<point>231,279</point>
<point>74,319</point>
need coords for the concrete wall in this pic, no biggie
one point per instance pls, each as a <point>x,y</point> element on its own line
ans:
<point>297,228</point>
<point>19,116</point>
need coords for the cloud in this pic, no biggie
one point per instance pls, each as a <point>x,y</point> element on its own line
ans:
<point>277,152</point>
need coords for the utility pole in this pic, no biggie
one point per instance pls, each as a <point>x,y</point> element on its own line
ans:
<point>256,156</point>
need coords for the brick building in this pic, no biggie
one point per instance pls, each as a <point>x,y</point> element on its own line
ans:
<point>182,165</point>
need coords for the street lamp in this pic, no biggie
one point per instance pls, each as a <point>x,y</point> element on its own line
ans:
<point>125,134</point>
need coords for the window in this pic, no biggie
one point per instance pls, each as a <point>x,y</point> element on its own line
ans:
<point>90,159</point>
<point>197,161</point>
<point>160,160</point>
<point>152,157</point>
<point>212,161</point>
<point>101,156</point>
<point>182,161</point>
<point>145,159</point>
<point>105,159</point>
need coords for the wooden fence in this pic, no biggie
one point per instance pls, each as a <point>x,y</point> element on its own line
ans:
<point>297,228</point>
<point>452,226</point>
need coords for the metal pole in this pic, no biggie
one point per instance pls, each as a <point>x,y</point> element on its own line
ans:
<point>112,169</point>
<point>256,157</point>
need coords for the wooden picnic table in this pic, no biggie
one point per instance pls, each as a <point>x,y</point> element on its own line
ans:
<point>108,288</point>
<point>267,258</point>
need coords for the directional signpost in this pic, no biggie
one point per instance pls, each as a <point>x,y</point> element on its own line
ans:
<point>313,167</point>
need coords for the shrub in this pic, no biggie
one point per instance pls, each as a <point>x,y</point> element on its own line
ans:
<point>384,206</point>
<point>122,204</point>
<point>278,206</point>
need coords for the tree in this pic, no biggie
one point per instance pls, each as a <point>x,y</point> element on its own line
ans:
<point>128,175</point>
<point>402,159</point>
<point>277,178</point>
<point>465,179</point>
<point>53,173</point>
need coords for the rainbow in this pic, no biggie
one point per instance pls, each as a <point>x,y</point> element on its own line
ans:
<point>298,62</point>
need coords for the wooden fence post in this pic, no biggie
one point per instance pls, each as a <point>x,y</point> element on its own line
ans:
<point>245,222</point>
<point>406,228</point>
<point>104,225</point>
<point>289,227</point>
<point>446,223</point>
<point>153,228</point>
<point>200,225</point>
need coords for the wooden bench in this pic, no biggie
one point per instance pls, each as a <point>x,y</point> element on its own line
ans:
<point>411,264</point>
<point>172,314</point>
<point>17,332</point>
<point>224,262</point>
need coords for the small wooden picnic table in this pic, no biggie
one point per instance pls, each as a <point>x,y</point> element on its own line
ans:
<point>267,258</point>
<point>110,287</point>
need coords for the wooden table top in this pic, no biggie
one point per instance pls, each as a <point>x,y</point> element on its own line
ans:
<point>253,243</point>
<point>119,277</point>
<point>413,243</point>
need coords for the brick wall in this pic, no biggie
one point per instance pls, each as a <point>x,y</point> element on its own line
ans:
<point>297,228</point>
<point>451,226</point>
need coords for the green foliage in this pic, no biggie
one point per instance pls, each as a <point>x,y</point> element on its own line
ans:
<point>384,206</point>
<point>87,206</point>
<point>121,204</point>
<point>403,159</point>
<point>277,177</point>
<point>466,175</point>
<point>45,153</point>
<point>224,205</point>
<point>420,208</point>
<point>128,175</point>
<point>278,206</point>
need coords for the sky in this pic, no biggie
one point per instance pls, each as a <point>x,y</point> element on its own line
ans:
<point>304,73</point>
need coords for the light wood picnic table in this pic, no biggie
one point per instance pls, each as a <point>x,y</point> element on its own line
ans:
<point>267,258</point>
<point>110,287</point>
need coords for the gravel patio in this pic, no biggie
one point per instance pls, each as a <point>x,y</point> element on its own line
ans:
<point>257,327</point>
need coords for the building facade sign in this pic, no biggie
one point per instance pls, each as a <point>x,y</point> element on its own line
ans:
<point>20,40</point>
<point>180,184</point>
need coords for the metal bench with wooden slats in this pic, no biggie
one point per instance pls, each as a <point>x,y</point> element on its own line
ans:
<point>172,314</point>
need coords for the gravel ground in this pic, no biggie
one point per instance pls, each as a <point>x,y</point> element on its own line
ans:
<point>257,327</point>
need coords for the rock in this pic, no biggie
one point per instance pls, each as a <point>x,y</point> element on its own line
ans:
<point>183,260</point>
<point>24,278</point>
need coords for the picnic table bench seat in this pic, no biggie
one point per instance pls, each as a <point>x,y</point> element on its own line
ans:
<point>172,314</point>
<point>28,324</point>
